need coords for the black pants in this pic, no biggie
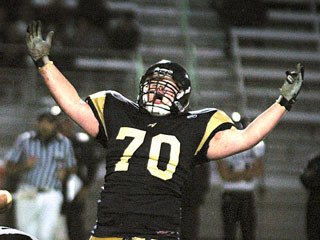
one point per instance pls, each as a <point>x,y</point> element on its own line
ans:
<point>313,218</point>
<point>238,207</point>
<point>75,217</point>
<point>190,222</point>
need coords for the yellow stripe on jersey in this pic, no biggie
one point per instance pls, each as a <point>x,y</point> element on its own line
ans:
<point>218,118</point>
<point>98,100</point>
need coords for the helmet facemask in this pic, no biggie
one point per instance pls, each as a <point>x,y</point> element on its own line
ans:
<point>164,89</point>
<point>158,94</point>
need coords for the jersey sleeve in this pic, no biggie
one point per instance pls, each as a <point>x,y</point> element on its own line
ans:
<point>97,103</point>
<point>219,121</point>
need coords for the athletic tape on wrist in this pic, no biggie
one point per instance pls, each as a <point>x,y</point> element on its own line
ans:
<point>39,63</point>
<point>285,103</point>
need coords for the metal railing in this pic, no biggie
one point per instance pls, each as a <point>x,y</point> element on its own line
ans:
<point>238,34</point>
<point>190,48</point>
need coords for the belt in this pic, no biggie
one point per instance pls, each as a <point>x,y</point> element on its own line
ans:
<point>117,238</point>
<point>42,190</point>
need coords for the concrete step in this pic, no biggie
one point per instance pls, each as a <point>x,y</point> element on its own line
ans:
<point>172,16</point>
<point>174,36</point>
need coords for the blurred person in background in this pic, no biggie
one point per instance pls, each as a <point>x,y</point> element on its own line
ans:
<point>240,13</point>
<point>87,34</point>
<point>95,11</point>
<point>14,52</point>
<point>74,206</point>
<point>4,21</point>
<point>40,158</point>
<point>124,34</point>
<point>193,197</point>
<point>240,174</point>
<point>7,233</point>
<point>310,179</point>
<point>10,183</point>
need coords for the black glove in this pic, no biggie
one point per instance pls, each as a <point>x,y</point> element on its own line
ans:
<point>291,87</point>
<point>37,47</point>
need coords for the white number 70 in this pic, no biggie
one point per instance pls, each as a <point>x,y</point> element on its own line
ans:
<point>138,138</point>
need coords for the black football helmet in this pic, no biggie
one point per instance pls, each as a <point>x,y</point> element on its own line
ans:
<point>155,75</point>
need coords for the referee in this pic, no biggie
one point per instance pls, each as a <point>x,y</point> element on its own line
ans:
<point>41,159</point>
<point>240,173</point>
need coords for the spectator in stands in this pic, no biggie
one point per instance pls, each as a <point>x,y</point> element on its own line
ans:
<point>3,28</point>
<point>240,13</point>
<point>193,197</point>
<point>46,10</point>
<point>95,11</point>
<point>15,55</point>
<point>239,174</point>
<point>56,15</point>
<point>41,157</point>
<point>4,18</point>
<point>310,179</point>
<point>125,33</point>
<point>12,33</point>
<point>87,34</point>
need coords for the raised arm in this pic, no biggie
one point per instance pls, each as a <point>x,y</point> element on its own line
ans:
<point>60,88</point>
<point>231,141</point>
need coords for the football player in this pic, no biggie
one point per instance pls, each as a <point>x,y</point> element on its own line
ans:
<point>152,144</point>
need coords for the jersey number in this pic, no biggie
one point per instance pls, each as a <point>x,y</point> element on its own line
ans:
<point>156,142</point>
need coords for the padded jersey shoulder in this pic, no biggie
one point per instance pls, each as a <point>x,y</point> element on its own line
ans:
<point>111,94</point>
<point>219,114</point>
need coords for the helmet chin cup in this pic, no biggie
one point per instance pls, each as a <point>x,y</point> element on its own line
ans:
<point>157,110</point>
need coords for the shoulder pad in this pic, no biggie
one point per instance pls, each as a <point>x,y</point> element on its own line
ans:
<point>118,96</point>
<point>112,93</point>
<point>218,114</point>
<point>205,110</point>
<point>98,94</point>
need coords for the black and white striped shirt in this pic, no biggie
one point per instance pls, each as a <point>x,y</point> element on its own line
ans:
<point>57,153</point>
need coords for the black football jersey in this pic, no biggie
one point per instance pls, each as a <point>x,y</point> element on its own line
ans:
<point>148,159</point>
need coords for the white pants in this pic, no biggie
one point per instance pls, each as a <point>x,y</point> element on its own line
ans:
<point>37,213</point>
